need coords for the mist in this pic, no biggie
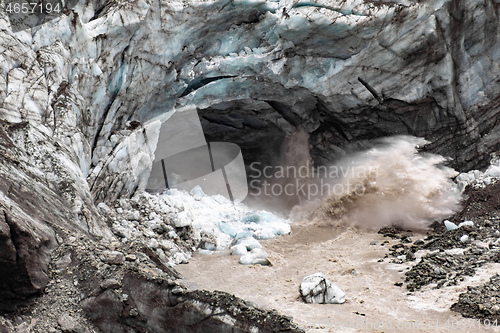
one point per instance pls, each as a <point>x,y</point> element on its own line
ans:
<point>390,184</point>
<point>393,184</point>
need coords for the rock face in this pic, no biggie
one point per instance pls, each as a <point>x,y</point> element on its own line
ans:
<point>30,210</point>
<point>317,288</point>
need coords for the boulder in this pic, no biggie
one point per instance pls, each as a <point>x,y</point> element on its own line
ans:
<point>316,288</point>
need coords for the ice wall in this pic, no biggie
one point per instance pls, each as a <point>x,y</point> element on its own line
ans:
<point>346,71</point>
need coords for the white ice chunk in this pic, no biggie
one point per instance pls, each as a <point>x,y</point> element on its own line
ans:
<point>239,249</point>
<point>153,243</point>
<point>469,223</point>
<point>197,192</point>
<point>493,171</point>
<point>317,288</point>
<point>220,217</point>
<point>250,243</point>
<point>103,208</point>
<point>228,229</point>
<point>209,246</point>
<point>255,257</point>
<point>449,225</point>
<point>182,219</point>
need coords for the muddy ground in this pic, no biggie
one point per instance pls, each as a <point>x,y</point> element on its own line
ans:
<point>396,280</point>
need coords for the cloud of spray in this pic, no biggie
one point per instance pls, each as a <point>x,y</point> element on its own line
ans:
<point>390,184</point>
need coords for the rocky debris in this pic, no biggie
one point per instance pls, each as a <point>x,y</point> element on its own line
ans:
<point>316,288</point>
<point>480,205</point>
<point>443,269</point>
<point>90,294</point>
<point>70,324</point>
<point>31,211</point>
<point>481,302</point>
<point>142,219</point>
<point>448,254</point>
<point>113,257</point>
<point>395,232</point>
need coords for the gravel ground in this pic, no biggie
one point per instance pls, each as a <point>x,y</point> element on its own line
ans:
<point>448,256</point>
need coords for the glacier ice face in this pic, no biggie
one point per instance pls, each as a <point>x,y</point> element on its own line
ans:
<point>344,71</point>
<point>256,70</point>
<point>79,95</point>
<point>127,167</point>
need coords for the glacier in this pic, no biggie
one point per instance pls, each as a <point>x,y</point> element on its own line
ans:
<point>83,97</point>
<point>257,70</point>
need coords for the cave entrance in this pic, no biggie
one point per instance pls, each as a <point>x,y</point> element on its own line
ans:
<point>222,148</point>
<point>185,160</point>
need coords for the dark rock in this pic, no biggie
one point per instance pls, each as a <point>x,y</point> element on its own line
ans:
<point>26,236</point>
<point>113,257</point>
<point>395,232</point>
<point>105,311</point>
<point>69,324</point>
<point>110,284</point>
<point>419,242</point>
<point>478,203</point>
<point>153,305</point>
<point>406,240</point>
<point>481,302</point>
<point>63,262</point>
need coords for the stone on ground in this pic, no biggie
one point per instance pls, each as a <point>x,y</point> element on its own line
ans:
<point>316,288</point>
